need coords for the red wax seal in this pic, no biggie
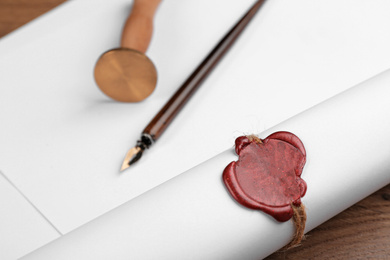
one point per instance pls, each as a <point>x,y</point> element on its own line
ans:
<point>267,174</point>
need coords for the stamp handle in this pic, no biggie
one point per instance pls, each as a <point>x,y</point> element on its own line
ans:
<point>138,29</point>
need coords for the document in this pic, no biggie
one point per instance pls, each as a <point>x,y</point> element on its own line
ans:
<point>22,227</point>
<point>63,141</point>
<point>194,217</point>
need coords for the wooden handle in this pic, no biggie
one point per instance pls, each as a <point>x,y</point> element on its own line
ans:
<point>138,28</point>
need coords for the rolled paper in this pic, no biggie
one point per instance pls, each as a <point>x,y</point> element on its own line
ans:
<point>192,216</point>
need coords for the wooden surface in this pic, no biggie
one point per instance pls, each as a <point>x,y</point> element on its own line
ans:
<point>15,13</point>
<point>360,232</point>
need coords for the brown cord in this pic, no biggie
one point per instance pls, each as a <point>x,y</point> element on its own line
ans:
<point>254,138</point>
<point>299,219</point>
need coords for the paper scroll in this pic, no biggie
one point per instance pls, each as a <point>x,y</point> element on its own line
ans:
<point>193,216</point>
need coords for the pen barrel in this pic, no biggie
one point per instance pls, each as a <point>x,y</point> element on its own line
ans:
<point>138,29</point>
<point>169,111</point>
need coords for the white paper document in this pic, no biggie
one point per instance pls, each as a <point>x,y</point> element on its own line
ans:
<point>194,217</point>
<point>22,228</point>
<point>62,141</point>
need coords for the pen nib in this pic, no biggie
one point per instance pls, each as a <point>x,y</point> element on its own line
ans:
<point>133,155</point>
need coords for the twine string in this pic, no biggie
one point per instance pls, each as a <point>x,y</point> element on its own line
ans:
<point>299,219</point>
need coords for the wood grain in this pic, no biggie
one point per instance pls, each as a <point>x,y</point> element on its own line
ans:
<point>15,13</point>
<point>360,232</point>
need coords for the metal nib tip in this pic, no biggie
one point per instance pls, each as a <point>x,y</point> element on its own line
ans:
<point>133,155</point>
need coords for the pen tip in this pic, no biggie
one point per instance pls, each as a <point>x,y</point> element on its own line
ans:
<point>133,155</point>
<point>124,166</point>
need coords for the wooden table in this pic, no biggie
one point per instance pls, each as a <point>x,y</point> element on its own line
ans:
<point>360,232</point>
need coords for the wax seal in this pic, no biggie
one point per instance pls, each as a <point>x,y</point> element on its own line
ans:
<point>266,175</point>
